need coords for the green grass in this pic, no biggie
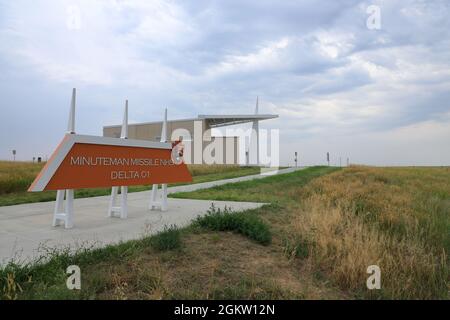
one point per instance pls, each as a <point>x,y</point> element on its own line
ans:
<point>244,223</point>
<point>45,277</point>
<point>273,189</point>
<point>168,239</point>
<point>16,177</point>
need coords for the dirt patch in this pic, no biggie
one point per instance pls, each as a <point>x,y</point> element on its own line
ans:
<point>211,265</point>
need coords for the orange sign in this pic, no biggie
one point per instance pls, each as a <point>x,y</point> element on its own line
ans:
<point>96,162</point>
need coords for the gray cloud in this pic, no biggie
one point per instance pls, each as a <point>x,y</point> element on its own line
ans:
<point>316,65</point>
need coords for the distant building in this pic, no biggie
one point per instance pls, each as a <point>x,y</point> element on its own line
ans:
<point>190,129</point>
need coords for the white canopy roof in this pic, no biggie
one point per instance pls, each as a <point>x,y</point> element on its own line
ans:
<point>215,121</point>
<point>227,120</point>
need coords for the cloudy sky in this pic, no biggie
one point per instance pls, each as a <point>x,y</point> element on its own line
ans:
<point>376,95</point>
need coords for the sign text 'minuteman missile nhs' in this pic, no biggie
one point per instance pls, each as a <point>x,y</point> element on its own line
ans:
<point>108,161</point>
<point>121,162</point>
<point>95,162</point>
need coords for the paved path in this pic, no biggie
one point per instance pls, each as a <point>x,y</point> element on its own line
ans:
<point>26,231</point>
<point>206,185</point>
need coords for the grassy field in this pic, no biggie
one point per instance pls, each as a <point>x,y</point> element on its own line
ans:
<point>322,229</point>
<point>397,218</point>
<point>16,177</point>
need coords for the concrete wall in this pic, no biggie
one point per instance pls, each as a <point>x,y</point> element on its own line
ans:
<point>152,132</point>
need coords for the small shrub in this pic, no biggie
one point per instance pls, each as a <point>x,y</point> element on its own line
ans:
<point>168,239</point>
<point>246,224</point>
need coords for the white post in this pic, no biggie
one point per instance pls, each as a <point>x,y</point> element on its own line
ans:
<point>71,122</point>
<point>124,132</point>
<point>255,132</point>
<point>59,207</point>
<point>69,208</point>
<point>122,209</point>
<point>162,203</point>
<point>64,207</point>
<point>164,127</point>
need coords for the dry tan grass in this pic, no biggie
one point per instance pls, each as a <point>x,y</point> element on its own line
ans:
<point>364,216</point>
<point>17,176</point>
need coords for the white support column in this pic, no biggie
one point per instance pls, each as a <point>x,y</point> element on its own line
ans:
<point>112,200</point>
<point>71,122</point>
<point>69,208</point>
<point>120,210</point>
<point>164,127</point>
<point>64,198</point>
<point>255,135</point>
<point>63,209</point>
<point>124,132</point>
<point>158,198</point>
<point>160,201</point>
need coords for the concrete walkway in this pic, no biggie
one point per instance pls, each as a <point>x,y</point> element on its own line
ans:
<point>206,185</point>
<point>26,231</point>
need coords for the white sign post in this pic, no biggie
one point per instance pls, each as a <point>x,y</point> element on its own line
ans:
<point>122,209</point>
<point>156,201</point>
<point>253,150</point>
<point>82,161</point>
<point>64,208</point>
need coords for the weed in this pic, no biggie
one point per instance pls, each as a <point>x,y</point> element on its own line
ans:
<point>168,239</point>
<point>244,223</point>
